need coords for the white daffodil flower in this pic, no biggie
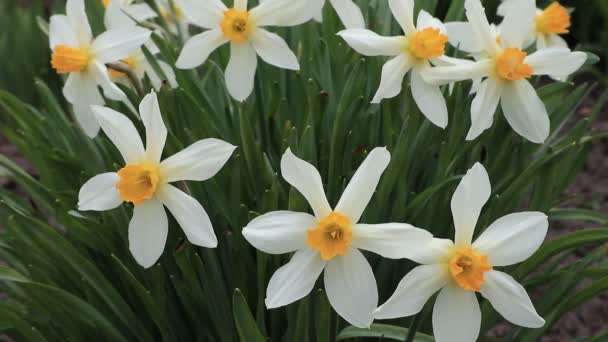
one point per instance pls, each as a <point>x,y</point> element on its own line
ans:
<point>243,29</point>
<point>115,18</point>
<point>506,69</point>
<point>76,53</point>
<point>330,240</point>
<point>145,181</point>
<point>422,45</point>
<point>130,11</point>
<point>550,23</point>
<point>461,268</point>
<point>349,13</point>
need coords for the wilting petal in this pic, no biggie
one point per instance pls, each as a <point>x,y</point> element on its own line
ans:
<point>285,12</point>
<point>307,180</point>
<point>77,16</point>
<point>429,98</point>
<point>456,315</point>
<point>351,288</point>
<point>370,43</point>
<point>114,45</point>
<point>206,14</point>
<point>279,232</point>
<point>513,238</point>
<point>362,186</point>
<point>413,291</point>
<point>148,232</point>
<point>100,193</point>
<point>123,134</point>
<point>198,48</point>
<point>273,49</point>
<point>518,23</point>
<point>240,72</point>
<point>349,13</point>
<point>556,61</point>
<point>190,215</point>
<point>294,280</point>
<point>480,26</point>
<point>510,299</point>
<point>391,240</point>
<point>61,33</point>
<point>156,132</point>
<point>484,106</point>
<point>525,111</point>
<point>470,196</point>
<point>403,11</point>
<point>393,73</point>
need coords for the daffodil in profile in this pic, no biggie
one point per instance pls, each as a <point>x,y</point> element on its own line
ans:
<point>506,69</point>
<point>461,268</point>
<point>422,45</point>
<point>331,239</point>
<point>80,56</point>
<point>244,30</point>
<point>145,181</point>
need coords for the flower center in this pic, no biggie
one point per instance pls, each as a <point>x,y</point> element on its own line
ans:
<point>130,61</point>
<point>331,236</point>
<point>510,65</point>
<point>236,25</point>
<point>467,268</point>
<point>67,59</point>
<point>555,19</point>
<point>138,182</point>
<point>428,43</point>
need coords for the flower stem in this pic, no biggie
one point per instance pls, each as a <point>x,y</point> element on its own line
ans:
<point>411,334</point>
<point>122,67</point>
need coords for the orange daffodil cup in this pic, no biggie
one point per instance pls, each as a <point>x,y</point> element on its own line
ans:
<point>506,69</point>
<point>459,269</point>
<point>422,46</point>
<point>145,181</point>
<point>244,30</point>
<point>80,56</point>
<point>330,240</point>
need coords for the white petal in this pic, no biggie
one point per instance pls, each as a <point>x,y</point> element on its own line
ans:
<point>456,315</point>
<point>307,180</point>
<point>518,23</point>
<point>555,61</point>
<point>432,253</point>
<point>391,240</point>
<point>465,71</point>
<point>349,13</point>
<point>100,193</point>
<point>197,162</point>
<point>362,186</point>
<point>80,86</point>
<point>510,299</point>
<point>61,33</point>
<point>413,291</point>
<point>240,5</point>
<point>285,12</point>
<point>115,17</point>
<point>426,20</point>
<point>156,132</point>
<point>403,11</point>
<point>198,48</point>
<point>190,215</point>
<point>525,111</point>
<point>480,25</point>
<point>273,49</point>
<point>99,73</point>
<point>370,43</point>
<point>554,40</point>
<point>123,134</point>
<point>86,119</point>
<point>470,196</point>
<point>351,288</point>
<point>240,72</point>
<point>140,12</point>
<point>541,42</point>
<point>77,17</point>
<point>393,73</point>
<point>462,37</point>
<point>148,232</point>
<point>206,14</point>
<point>429,98</point>
<point>294,280</point>
<point>279,232</point>
<point>504,7</point>
<point>513,238</point>
<point>114,45</point>
<point>484,106</point>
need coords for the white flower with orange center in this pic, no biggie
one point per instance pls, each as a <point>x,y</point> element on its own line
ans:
<point>330,240</point>
<point>506,69</point>
<point>244,30</point>
<point>421,46</point>
<point>145,181</point>
<point>76,53</point>
<point>461,268</point>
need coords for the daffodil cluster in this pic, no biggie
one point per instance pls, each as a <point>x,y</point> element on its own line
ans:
<point>500,60</point>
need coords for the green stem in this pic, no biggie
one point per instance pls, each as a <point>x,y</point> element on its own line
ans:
<point>411,334</point>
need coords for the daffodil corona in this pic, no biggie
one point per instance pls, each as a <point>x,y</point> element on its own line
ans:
<point>330,240</point>
<point>459,269</point>
<point>145,181</point>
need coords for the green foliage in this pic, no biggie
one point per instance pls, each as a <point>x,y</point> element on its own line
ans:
<point>69,274</point>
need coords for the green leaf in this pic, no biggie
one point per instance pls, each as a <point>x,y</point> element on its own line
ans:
<point>243,319</point>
